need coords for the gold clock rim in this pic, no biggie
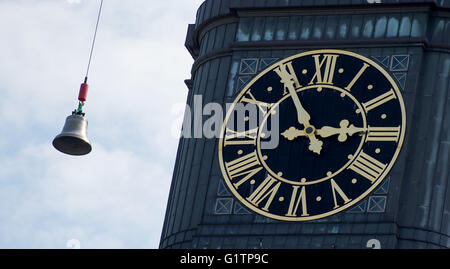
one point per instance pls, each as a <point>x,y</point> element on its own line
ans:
<point>352,202</point>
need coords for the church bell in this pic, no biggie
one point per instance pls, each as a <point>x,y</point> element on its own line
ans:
<point>73,139</point>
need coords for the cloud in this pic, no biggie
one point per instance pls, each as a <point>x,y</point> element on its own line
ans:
<point>73,1</point>
<point>115,197</point>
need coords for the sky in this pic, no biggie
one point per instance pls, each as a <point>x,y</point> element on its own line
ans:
<point>114,197</point>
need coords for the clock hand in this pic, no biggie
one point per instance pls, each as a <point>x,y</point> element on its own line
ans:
<point>293,133</point>
<point>326,131</point>
<point>343,132</point>
<point>315,145</point>
<point>302,115</point>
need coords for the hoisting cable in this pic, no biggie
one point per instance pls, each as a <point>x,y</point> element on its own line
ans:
<point>84,86</point>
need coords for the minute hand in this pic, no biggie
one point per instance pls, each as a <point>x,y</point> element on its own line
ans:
<point>302,115</point>
<point>315,145</point>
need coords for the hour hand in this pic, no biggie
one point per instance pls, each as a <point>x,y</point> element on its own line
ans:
<point>344,132</point>
<point>292,133</point>
<point>315,145</point>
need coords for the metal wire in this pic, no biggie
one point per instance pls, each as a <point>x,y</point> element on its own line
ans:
<point>93,41</point>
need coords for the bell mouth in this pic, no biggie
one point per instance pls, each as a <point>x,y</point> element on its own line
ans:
<point>72,145</point>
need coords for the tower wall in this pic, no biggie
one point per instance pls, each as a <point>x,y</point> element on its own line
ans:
<point>232,41</point>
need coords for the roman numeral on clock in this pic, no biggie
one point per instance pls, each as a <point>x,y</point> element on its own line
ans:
<point>380,134</point>
<point>247,137</point>
<point>324,75</point>
<point>377,101</point>
<point>288,77</point>
<point>247,165</point>
<point>367,166</point>
<point>252,100</point>
<point>268,188</point>
<point>358,75</point>
<point>336,189</point>
<point>297,198</point>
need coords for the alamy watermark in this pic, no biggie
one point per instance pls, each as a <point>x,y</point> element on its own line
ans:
<point>207,120</point>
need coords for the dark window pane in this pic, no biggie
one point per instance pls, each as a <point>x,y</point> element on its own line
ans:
<point>418,26</point>
<point>306,27</point>
<point>405,27</point>
<point>368,27</point>
<point>243,33</point>
<point>356,26</point>
<point>380,27</point>
<point>258,29</point>
<point>319,25</point>
<point>282,28</point>
<point>344,26</point>
<point>294,28</point>
<point>392,27</point>
<point>331,27</point>
<point>269,28</point>
<point>447,34</point>
<point>438,31</point>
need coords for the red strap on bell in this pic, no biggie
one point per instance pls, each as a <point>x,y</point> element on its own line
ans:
<point>83,92</point>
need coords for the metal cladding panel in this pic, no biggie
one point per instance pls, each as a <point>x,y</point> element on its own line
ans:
<point>225,7</point>
<point>232,41</point>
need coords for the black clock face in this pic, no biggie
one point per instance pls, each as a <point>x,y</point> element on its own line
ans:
<point>338,122</point>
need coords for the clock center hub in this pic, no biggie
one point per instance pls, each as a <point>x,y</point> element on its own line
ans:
<point>309,129</point>
<point>295,141</point>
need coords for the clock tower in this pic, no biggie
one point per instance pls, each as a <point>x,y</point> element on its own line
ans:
<point>334,131</point>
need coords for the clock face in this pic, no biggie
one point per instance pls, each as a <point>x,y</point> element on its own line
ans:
<point>338,120</point>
